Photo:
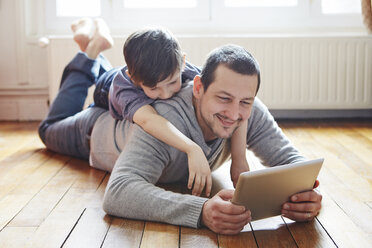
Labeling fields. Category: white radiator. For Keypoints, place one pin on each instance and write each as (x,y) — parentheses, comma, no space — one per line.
(296,72)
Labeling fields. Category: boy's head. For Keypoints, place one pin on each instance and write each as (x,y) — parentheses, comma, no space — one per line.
(154,59)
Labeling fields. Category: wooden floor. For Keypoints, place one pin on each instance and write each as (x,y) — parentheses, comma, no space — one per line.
(50,200)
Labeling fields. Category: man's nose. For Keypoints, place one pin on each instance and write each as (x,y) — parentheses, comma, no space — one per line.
(233,111)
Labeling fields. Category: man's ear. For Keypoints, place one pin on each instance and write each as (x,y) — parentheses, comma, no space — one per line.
(198,88)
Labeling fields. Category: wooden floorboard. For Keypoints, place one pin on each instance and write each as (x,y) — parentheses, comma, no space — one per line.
(51,200)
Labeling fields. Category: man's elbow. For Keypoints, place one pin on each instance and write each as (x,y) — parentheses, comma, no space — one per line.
(107,203)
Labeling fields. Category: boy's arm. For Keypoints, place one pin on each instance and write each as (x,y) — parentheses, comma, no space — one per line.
(159,127)
(239,162)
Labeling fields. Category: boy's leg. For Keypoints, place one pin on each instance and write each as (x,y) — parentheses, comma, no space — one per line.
(65,127)
(78,76)
(66,130)
(101,39)
(101,92)
(83,30)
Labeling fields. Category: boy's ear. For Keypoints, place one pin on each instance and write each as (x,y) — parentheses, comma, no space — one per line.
(198,88)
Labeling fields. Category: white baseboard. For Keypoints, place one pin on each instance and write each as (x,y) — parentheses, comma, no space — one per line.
(23,108)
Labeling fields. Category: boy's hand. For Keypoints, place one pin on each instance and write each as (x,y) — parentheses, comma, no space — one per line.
(199,172)
(237,167)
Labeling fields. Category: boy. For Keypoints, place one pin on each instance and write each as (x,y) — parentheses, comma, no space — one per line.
(155,69)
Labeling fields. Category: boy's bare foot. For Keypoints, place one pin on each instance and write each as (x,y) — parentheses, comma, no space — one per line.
(83,30)
(101,39)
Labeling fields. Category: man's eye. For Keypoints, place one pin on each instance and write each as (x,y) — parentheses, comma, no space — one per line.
(224,99)
(246,103)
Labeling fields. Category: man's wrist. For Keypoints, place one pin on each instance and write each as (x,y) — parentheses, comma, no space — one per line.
(200,221)
(239,158)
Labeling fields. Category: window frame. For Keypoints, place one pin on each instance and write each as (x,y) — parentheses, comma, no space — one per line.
(163,16)
(212,17)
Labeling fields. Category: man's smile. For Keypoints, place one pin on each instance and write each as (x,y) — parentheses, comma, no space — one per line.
(225,121)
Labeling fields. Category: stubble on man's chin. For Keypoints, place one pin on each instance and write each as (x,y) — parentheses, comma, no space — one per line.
(230,134)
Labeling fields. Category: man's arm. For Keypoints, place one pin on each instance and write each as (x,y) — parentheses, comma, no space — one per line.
(239,162)
(267,140)
(269,143)
(131,190)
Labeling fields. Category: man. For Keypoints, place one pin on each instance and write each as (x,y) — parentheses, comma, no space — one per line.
(208,113)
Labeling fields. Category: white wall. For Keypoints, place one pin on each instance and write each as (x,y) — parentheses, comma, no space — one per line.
(26,71)
(23,68)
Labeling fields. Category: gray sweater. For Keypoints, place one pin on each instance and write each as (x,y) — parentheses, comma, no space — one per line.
(138,161)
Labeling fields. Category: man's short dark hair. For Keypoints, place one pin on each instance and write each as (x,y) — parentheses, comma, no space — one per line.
(235,58)
(152,55)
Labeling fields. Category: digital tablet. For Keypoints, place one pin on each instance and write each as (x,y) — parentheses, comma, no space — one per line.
(264,191)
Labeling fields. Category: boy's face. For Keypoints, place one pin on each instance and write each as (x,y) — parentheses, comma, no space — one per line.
(164,89)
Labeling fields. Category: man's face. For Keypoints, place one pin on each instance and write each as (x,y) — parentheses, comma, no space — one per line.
(227,102)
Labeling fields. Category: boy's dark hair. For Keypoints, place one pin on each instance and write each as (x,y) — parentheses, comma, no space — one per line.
(152,55)
(235,58)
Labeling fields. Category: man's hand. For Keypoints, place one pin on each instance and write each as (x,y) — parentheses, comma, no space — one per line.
(199,172)
(303,206)
(221,216)
(237,167)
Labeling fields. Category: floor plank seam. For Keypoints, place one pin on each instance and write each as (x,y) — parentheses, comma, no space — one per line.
(72,229)
(143,232)
(21,147)
(340,207)
(107,231)
(54,207)
(179,236)
(47,182)
(21,179)
(14,154)
(103,179)
(217,239)
(320,223)
(290,233)
(254,235)
(30,198)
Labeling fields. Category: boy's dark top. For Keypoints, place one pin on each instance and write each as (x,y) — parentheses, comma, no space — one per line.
(131,97)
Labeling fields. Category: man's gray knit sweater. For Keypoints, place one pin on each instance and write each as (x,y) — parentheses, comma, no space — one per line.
(140,160)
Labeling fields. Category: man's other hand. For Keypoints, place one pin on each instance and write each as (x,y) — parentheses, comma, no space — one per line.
(303,206)
(221,216)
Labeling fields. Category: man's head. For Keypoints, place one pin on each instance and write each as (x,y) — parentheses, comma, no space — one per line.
(225,91)
(154,59)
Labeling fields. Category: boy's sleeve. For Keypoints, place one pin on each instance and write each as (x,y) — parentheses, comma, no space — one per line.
(125,98)
(189,72)
(102,89)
